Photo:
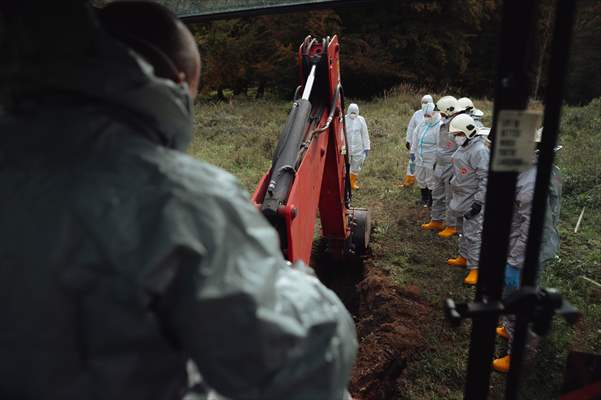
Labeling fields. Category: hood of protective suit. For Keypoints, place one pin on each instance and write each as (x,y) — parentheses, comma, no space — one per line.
(118,77)
(353,108)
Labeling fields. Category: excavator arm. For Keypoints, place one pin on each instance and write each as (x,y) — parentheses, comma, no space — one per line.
(309,171)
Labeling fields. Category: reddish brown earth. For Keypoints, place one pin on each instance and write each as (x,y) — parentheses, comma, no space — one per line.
(388,320)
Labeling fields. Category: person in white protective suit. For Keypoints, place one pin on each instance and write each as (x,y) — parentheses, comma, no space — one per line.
(423,152)
(415,120)
(357,138)
(518,237)
(442,219)
(468,192)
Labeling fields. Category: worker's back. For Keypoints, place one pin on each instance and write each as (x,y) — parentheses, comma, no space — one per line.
(81,201)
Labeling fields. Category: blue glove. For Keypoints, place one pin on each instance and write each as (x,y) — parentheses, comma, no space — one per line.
(365,152)
(513,276)
(412,157)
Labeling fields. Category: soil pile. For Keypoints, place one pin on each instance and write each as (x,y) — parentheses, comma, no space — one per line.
(388,325)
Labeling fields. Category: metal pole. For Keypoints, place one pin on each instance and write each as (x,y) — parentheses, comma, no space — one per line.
(562,36)
(511,93)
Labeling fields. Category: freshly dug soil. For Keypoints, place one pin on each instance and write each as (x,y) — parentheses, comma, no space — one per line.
(388,322)
(387,319)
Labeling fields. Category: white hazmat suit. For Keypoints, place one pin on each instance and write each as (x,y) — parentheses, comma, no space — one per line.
(415,120)
(423,148)
(357,138)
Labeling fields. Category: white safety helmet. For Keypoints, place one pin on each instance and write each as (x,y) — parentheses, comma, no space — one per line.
(353,108)
(465,104)
(447,105)
(427,99)
(465,124)
(483,132)
(476,113)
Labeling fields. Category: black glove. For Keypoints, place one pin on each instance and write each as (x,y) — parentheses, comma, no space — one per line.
(434,166)
(475,210)
(408,145)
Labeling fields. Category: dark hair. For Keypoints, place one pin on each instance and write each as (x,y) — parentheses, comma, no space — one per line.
(154,32)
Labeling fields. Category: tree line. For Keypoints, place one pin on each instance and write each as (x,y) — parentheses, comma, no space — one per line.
(437,45)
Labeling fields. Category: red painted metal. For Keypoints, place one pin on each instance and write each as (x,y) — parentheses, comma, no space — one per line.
(320,179)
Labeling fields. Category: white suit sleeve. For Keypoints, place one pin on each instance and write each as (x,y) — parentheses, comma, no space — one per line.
(414,139)
(365,135)
(410,128)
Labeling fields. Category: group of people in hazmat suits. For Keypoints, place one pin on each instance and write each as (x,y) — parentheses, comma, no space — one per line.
(123,259)
(449,156)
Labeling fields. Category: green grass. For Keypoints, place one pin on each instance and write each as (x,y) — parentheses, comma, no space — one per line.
(240,137)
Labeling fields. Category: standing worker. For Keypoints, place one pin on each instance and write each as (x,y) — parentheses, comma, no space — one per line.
(518,238)
(357,139)
(415,120)
(468,191)
(441,218)
(423,151)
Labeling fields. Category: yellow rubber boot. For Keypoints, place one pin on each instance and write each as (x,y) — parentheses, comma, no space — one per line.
(448,232)
(502,332)
(433,225)
(408,181)
(471,278)
(502,364)
(354,185)
(457,262)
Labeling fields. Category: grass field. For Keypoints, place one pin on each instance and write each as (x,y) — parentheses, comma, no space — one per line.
(240,136)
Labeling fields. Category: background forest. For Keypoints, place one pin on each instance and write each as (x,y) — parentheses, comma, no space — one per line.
(438,45)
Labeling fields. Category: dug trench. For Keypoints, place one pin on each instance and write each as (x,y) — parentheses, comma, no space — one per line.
(387,317)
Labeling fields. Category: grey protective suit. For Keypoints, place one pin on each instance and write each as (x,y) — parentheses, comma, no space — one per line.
(524,194)
(468,186)
(122,258)
(443,172)
(521,217)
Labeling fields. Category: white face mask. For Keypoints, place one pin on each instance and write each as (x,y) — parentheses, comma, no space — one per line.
(460,140)
(353,115)
(424,107)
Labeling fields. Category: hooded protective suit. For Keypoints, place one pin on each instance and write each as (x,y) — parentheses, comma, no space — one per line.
(443,172)
(468,187)
(415,120)
(521,217)
(424,142)
(357,137)
(122,258)
(518,236)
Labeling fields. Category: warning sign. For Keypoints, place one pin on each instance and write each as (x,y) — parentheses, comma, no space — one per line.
(514,140)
